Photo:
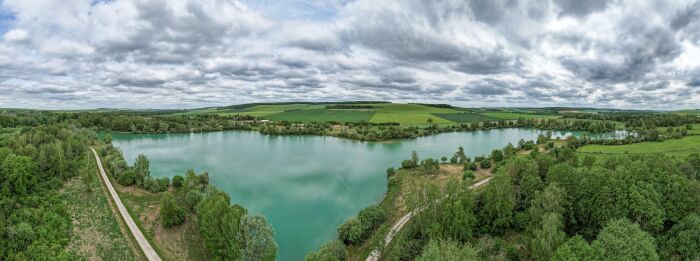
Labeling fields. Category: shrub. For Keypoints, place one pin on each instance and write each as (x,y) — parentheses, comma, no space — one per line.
(170,213)
(178,181)
(356,230)
(408,164)
(485,163)
(390,172)
(193,198)
(333,250)
(468,175)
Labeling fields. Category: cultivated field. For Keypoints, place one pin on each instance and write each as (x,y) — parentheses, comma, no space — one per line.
(405,114)
(682,146)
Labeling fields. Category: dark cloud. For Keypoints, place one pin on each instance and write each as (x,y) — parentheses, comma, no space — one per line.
(474,52)
(489,87)
(581,8)
(637,50)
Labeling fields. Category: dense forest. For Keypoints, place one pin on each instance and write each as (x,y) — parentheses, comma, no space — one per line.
(550,205)
(35,162)
(34,223)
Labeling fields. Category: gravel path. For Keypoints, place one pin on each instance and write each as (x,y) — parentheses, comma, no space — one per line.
(374,256)
(148,250)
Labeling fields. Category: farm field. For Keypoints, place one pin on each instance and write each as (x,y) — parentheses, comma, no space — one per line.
(515,116)
(465,117)
(402,113)
(408,118)
(322,115)
(682,146)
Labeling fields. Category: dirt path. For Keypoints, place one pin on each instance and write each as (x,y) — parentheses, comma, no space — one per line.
(146,247)
(374,256)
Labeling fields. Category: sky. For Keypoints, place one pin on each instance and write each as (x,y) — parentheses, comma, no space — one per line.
(72,54)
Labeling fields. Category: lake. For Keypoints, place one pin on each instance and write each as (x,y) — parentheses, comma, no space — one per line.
(304,185)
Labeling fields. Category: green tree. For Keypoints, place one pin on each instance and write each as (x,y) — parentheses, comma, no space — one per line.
(575,249)
(220,224)
(333,250)
(683,240)
(551,200)
(19,172)
(178,181)
(623,240)
(141,169)
(259,239)
(52,161)
(193,198)
(548,237)
(497,155)
(447,251)
(170,213)
(498,203)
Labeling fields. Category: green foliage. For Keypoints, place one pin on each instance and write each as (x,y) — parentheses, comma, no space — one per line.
(485,163)
(333,250)
(259,239)
(170,213)
(497,155)
(19,174)
(390,172)
(178,181)
(193,198)
(683,240)
(623,240)
(546,239)
(141,170)
(356,230)
(220,224)
(576,248)
(447,251)
(496,213)
(468,175)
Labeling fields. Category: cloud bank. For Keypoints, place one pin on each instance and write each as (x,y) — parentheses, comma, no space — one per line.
(194,53)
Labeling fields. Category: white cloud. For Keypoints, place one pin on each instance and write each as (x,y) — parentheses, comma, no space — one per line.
(16,35)
(471,53)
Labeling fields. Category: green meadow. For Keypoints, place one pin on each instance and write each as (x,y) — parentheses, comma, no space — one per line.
(402,113)
(684,145)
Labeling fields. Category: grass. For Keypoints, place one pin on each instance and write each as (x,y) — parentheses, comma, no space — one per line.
(96,233)
(681,146)
(407,118)
(409,108)
(465,117)
(182,242)
(395,201)
(322,115)
(515,116)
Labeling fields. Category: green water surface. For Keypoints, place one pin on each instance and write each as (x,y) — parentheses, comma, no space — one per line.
(304,185)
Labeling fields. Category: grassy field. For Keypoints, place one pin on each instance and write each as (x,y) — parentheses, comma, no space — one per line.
(98,233)
(515,116)
(408,118)
(322,115)
(465,117)
(402,113)
(409,108)
(182,242)
(682,146)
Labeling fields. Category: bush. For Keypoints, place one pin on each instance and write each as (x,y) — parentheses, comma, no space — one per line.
(468,175)
(390,172)
(408,164)
(485,163)
(193,198)
(333,250)
(356,230)
(170,213)
(470,166)
(178,181)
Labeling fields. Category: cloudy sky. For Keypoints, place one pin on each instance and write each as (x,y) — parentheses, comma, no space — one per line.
(194,53)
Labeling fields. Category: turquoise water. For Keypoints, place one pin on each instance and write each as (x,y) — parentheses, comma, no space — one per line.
(304,185)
